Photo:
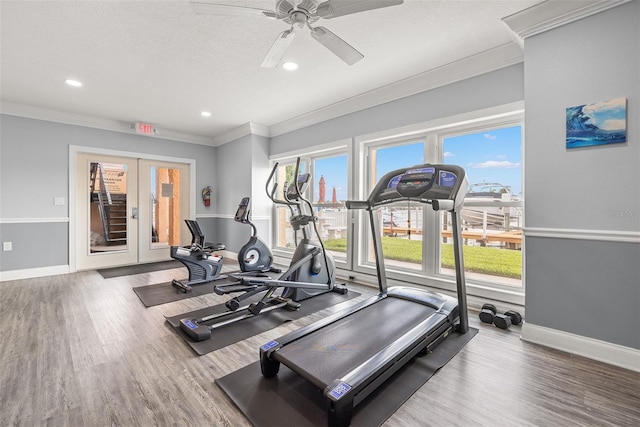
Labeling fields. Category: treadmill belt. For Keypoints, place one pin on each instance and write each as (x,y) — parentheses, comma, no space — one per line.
(338,348)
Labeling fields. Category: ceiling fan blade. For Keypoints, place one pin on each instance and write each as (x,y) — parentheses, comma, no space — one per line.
(226,9)
(277,49)
(335,8)
(335,44)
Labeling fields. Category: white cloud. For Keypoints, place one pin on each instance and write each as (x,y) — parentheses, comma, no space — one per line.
(448,154)
(495,164)
(613,124)
(489,136)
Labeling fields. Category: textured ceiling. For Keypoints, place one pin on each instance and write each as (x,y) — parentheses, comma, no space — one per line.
(159,62)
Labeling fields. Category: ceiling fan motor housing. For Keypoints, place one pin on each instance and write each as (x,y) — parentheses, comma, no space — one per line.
(297,15)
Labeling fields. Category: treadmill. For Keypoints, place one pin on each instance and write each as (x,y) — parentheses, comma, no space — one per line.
(351,353)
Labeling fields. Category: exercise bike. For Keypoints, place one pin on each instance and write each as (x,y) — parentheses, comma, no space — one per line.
(204,265)
(200,259)
(311,272)
(255,255)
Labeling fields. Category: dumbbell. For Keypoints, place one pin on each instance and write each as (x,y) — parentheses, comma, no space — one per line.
(487,313)
(503,321)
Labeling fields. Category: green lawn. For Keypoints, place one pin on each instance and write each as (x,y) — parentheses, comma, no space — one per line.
(477,259)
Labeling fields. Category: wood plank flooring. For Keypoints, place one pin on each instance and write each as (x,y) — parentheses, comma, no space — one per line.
(80,350)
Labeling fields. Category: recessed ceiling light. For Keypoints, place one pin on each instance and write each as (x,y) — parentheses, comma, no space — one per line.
(73,83)
(290,66)
(205,114)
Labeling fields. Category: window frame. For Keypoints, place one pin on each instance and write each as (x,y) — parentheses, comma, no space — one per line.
(433,134)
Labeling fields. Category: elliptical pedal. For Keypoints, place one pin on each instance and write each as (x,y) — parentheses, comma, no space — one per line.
(181,286)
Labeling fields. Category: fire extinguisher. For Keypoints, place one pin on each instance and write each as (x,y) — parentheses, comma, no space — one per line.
(206,196)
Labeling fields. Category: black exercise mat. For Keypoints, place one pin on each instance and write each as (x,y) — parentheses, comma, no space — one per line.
(162,293)
(243,329)
(290,399)
(129,270)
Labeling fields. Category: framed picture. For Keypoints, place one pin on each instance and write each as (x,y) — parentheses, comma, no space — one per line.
(600,123)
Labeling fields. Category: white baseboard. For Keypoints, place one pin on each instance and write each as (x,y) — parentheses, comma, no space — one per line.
(613,354)
(30,273)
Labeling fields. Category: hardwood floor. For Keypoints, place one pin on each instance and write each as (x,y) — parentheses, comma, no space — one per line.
(80,350)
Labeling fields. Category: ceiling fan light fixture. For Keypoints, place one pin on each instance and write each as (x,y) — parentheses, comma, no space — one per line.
(290,66)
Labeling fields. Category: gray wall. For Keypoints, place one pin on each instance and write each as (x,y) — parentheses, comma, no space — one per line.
(583,286)
(34,168)
(242,167)
(499,87)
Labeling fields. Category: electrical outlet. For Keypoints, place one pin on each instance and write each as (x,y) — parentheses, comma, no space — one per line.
(7,246)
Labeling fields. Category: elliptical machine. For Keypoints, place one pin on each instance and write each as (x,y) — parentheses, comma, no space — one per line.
(320,268)
(311,272)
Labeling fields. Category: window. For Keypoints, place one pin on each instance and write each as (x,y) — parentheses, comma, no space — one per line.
(285,234)
(330,178)
(402,224)
(416,241)
(327,192)
(492,212)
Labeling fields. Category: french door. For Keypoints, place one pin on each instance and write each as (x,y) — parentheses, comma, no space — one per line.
(129,210)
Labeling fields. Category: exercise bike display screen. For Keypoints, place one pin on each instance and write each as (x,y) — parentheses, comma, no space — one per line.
(241,213)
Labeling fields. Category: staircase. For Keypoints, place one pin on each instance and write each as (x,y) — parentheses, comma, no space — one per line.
(112,208)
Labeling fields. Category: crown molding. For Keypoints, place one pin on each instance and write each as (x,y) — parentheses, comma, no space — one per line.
(41,113)
(548,15)
(481,63)
(242,131)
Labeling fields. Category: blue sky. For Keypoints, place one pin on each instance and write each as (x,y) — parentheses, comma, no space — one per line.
(491,156)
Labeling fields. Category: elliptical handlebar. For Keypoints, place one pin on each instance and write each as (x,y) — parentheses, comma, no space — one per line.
(271,193)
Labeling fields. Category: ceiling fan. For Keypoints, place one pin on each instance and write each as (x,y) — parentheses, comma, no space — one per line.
(298,14)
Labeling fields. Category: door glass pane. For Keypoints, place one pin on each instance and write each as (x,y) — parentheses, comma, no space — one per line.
(401,223)
(492,212)
(108,207)
(165,207)
(330,192)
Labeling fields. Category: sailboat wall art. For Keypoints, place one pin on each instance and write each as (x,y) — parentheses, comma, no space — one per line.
(601,123)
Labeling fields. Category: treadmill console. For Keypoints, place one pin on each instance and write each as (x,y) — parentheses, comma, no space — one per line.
(422,183)
(303,184)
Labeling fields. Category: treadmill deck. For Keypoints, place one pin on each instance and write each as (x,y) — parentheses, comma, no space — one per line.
(332,352)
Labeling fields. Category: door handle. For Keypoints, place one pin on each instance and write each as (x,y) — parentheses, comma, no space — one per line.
(134,213)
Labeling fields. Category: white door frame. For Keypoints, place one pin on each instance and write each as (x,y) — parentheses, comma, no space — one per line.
(73,166)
